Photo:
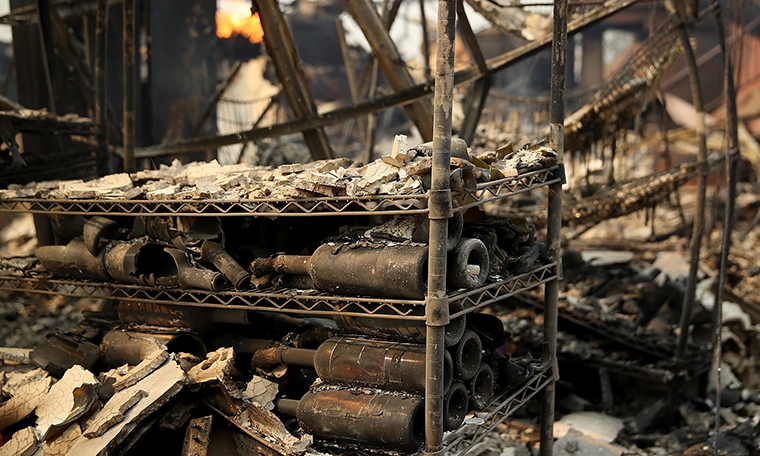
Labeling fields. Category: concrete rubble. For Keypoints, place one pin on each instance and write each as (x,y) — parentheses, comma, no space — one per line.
(398,173)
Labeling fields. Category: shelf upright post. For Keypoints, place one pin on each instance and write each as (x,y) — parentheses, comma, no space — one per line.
(440,210)
(101,97)
(553,238)
(129,89)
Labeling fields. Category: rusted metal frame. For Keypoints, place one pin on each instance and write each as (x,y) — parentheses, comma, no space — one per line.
(76,61)
(698,223)
(503,407)
(476,99)
(86,40)
(400,97)
(352,85)
(732,155)
(440,210)
(366,16)
(218,95)
(256,124)
(101,96)
(287,64)
(129,88)
(425,43)
(469,38)
(48,52)
(198,434)
(554,222)
(389,17)
(369,143)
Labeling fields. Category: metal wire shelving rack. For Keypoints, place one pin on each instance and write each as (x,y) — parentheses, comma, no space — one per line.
(305,302)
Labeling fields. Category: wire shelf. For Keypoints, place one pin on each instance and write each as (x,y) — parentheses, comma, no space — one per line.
(323,206)
(462,440)
(304,302)
(468,434)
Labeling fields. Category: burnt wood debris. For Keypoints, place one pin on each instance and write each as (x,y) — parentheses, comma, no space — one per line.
(434,227)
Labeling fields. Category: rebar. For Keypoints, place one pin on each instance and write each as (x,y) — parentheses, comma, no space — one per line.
(732,143)
(129,89)
(554,224)
(101,97)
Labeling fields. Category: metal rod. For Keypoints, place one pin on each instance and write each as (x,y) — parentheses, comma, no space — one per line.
(425,43)
(554,223)
(45,28)
(129,88)
(101,97)
(219,92)
(387,55)
(732,142)
(470,39)
(698,224)
(437,303)
(350,74)
(281,49)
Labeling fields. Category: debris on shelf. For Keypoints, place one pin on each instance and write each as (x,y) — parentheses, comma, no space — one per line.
(399,173)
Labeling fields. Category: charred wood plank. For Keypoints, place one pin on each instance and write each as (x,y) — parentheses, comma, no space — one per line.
(366,16)
(287,64)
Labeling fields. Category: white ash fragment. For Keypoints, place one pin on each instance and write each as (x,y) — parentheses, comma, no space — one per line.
(113,412)
(153,186)
(14,355)
(398,156)
(62,399)
(399,228)
(266,423)
(262,391)
(374,175)
(164,193)
(26,397)
(214,369)
(290,168)
(332,165)
(133,194)
(233,180)
(23,443)
(208,190)
(95,188)
(160,386)
(60,445)
(137,373)
(15,380)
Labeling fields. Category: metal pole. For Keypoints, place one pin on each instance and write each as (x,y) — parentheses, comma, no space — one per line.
(554,223)
(732,142)
(101,98)
(439,204)
(129,76)
(699,216)
(45,28)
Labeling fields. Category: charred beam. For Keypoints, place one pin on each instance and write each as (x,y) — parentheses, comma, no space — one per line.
(366,16)
(287,64)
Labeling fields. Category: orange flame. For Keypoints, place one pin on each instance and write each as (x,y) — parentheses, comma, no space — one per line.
(229,23)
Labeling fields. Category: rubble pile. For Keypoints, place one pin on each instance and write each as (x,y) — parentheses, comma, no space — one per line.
(308,385)
(618,326)
(405,171)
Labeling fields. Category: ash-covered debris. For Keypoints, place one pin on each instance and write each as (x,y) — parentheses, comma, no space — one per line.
(616,350)
(310,386)
(405,171)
